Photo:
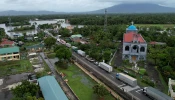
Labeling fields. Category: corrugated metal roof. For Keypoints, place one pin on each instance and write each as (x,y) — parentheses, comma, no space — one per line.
(51,89)
(77,35)
(35,46)
(9,50)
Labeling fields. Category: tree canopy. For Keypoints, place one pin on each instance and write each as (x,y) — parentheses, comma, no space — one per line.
(100,90)
(26,91)
(49,42)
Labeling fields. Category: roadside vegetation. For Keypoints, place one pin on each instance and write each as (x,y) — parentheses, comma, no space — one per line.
(81,84)
(15,67)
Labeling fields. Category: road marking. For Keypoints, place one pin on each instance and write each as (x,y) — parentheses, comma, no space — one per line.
(138,91)
(112,76)
(121,85)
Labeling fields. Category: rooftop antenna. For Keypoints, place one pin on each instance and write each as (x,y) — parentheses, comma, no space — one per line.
(105,21)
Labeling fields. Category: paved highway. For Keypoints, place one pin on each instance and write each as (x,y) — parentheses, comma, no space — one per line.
(135,92)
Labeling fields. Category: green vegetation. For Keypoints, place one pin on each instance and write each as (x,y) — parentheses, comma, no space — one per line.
(49,42)
(64,55)
(30,43)
(81,84)
(2,33)
(173,87)
(142,71)
(156,25)
(15,67)
(51,55)
(100,90)
(26,91)
(165,84)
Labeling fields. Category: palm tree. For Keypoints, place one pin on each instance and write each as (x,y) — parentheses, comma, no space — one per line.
(100,90)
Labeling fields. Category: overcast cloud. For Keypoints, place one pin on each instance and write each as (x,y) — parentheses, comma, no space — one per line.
(70,5)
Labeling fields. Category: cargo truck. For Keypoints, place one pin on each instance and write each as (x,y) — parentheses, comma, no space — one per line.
(68,45)
(82,53)
(74,48)
(127,79)
(105,66)
(155,94)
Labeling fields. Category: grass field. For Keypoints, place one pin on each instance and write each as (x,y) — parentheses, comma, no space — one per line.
(15,67)
(159,25)
(81,84)
(51,55)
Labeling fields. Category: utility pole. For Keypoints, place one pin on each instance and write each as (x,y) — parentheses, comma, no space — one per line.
(10,25)
(105,21)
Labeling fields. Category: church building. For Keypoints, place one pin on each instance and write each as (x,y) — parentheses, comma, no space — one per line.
(134,45)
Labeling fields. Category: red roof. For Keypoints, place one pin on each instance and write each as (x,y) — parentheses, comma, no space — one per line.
(6,42)
(129,37)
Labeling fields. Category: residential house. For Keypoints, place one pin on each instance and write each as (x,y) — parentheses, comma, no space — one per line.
(35,48)
(10,53)
(6,43)
(76,38)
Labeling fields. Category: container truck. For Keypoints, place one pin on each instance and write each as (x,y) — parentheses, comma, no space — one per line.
(74,48)
(127,79)
(68,45)
(105,66)
(62,41)
(155,94)
(82,53)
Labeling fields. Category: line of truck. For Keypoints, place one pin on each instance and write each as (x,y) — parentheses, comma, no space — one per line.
(149,91)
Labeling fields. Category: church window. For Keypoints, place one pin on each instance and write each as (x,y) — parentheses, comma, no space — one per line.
(127,48)
(142,49)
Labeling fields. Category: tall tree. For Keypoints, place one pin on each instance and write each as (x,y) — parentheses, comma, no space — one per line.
(100,90)
(26,88)
(49,42)
(2,33)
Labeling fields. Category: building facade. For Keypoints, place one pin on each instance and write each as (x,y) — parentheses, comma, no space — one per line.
(134,45)
(11,53)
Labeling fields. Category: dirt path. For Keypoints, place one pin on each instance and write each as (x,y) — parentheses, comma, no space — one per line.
(118,57)
(154,76)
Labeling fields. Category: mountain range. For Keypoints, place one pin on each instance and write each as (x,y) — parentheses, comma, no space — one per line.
(137,8)
(121,8)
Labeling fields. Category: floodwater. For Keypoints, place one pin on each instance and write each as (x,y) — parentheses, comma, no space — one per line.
(40,22)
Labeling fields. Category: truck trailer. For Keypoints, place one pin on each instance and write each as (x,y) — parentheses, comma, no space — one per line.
(155,94)
(82,53)
(74,48)
(105,66)
(68,45)
(127,79)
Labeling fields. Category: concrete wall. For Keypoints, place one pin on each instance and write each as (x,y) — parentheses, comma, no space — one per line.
(12,57)
(134,52)
(171,92)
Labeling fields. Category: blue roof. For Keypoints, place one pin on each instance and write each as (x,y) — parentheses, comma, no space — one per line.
(132,27)
(51,89)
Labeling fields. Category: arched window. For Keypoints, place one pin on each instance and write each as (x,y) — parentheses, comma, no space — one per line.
(142,49)
(135,48)
(127,48)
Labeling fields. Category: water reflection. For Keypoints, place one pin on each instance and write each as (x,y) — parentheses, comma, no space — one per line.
(28,32)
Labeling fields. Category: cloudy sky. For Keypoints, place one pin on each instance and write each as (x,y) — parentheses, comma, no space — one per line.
(70,5)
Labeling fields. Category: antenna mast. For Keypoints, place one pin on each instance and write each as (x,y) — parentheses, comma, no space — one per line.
(105,21)
(10,25)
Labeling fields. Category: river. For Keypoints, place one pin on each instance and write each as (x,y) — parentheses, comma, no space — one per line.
(40,22)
